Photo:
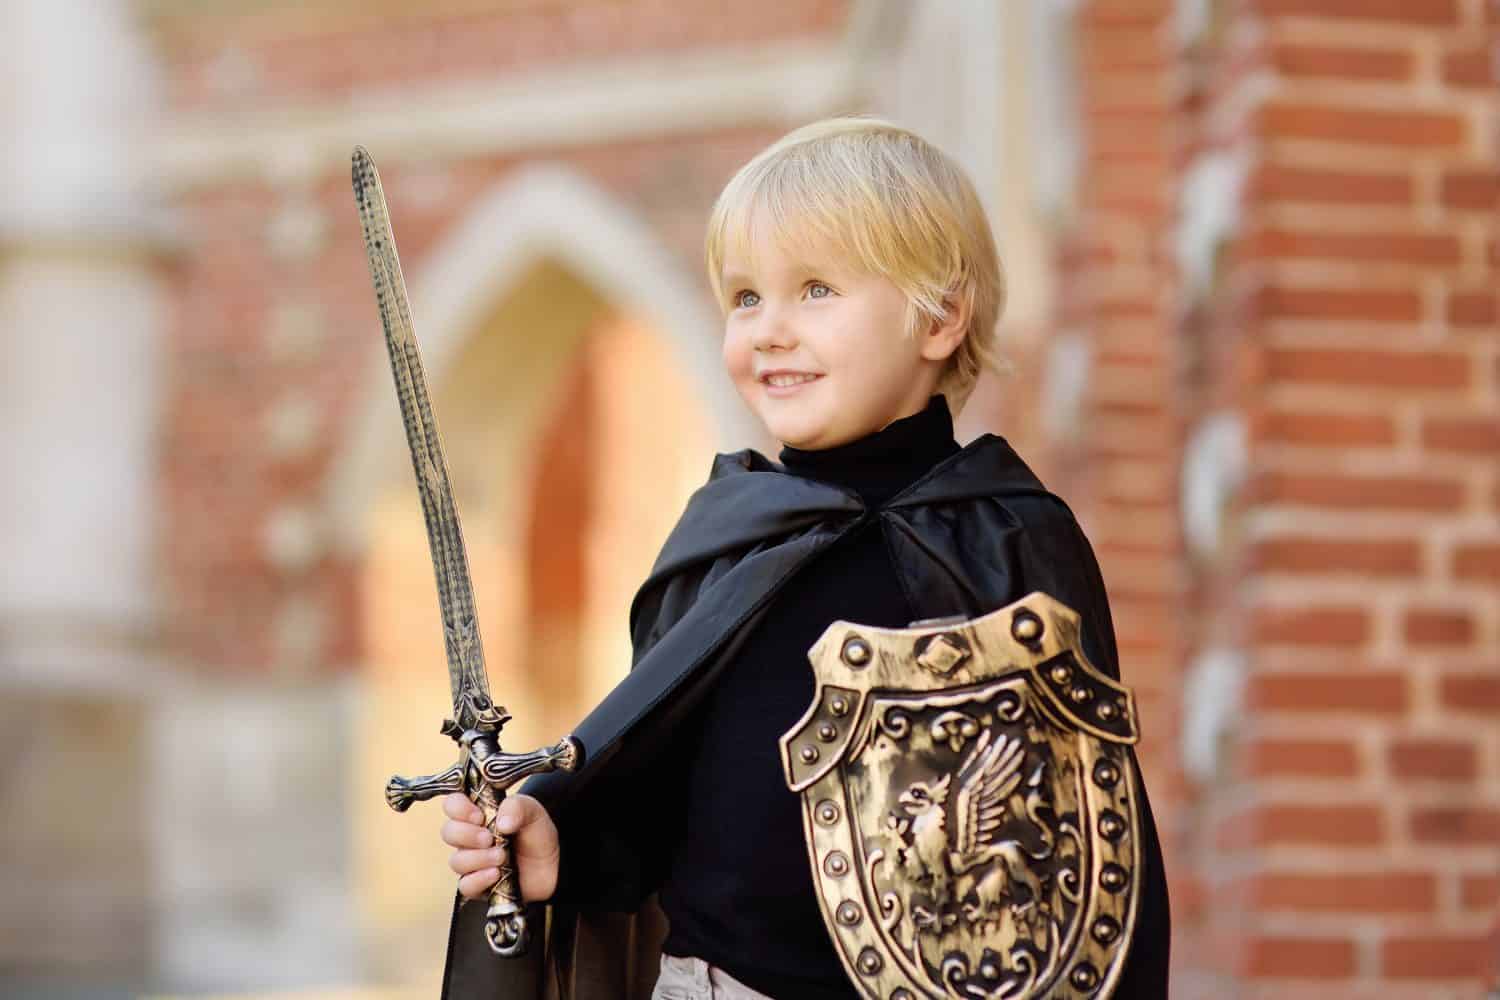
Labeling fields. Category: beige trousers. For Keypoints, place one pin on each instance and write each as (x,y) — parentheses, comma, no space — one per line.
(695,979)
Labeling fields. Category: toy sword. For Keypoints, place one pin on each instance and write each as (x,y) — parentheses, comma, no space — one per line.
(483,772)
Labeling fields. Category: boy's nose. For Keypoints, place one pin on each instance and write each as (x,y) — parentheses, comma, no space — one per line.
(774,332)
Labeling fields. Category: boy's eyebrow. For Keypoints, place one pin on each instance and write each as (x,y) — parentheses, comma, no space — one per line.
(800,268)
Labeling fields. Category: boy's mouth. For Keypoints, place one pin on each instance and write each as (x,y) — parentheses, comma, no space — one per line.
(786,379)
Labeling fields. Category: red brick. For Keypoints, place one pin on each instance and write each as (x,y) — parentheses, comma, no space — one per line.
(1152,548)
(1345,892)
(1147,112)
(1301,957)
(1471,66)
(1128,308)
(1148,361)
(1317,693)
(1432,759)
(1314,626)
(1415,248)
(1103,17)
(1433,956)
(1459,825)
(1344,62)
(1437,627)
(1477,562)
(1472,308)
(1156,408)
(1140,193)
(1393,369)
(1366,305)
(1354,825)
(1334,429)
(1428,13)
(1270,758)
(1415,493)
(1124,142)
(1480,892)
(1272,182)
(1472,189)
(1122,56)
(1363,126)
(1472,692)
(1476,435)
(1370,556)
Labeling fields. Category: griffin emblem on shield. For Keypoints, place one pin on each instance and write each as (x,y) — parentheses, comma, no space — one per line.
(970,807)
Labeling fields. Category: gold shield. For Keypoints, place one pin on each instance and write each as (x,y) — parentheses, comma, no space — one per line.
(969,806)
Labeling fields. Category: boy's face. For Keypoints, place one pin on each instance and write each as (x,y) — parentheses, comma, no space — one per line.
(817,348)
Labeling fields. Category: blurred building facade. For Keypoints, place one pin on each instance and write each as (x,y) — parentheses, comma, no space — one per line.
(1253,250)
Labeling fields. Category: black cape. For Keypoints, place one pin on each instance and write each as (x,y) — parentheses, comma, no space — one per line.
(975,533)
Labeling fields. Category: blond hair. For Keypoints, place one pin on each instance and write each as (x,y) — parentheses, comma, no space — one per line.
(891,203)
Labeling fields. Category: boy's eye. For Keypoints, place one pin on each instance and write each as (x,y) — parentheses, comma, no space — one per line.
(812,290)
(741,296)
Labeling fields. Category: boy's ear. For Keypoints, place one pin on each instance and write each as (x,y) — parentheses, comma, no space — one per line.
(943,336)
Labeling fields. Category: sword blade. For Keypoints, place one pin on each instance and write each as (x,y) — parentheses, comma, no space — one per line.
(450,563)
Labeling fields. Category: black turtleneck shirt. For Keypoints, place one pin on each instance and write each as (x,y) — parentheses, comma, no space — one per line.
(739,892)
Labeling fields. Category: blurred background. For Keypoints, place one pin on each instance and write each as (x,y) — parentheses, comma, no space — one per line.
(1253,249)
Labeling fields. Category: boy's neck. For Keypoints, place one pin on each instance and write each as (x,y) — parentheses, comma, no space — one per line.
(880,465)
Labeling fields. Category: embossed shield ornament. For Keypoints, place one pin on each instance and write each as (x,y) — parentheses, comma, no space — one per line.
(970,812)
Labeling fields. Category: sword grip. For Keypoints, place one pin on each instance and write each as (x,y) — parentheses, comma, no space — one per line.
(505,921)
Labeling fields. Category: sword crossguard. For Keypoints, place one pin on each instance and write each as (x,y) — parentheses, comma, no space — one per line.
(484,773)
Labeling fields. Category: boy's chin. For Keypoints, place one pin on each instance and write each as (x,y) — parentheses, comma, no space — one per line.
(809,437)
(810,424)
(794,435)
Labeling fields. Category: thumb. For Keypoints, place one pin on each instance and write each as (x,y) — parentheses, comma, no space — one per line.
(516,813)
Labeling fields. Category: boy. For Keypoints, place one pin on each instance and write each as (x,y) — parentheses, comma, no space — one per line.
(861,288)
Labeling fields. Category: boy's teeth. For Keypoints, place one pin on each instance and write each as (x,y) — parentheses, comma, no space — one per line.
(785,380)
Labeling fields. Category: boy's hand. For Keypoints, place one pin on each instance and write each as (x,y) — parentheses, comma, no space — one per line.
(476,859)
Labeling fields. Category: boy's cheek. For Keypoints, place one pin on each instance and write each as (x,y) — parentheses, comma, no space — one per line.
(736,354)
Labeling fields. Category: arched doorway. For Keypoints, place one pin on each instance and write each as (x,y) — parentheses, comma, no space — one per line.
(574,436)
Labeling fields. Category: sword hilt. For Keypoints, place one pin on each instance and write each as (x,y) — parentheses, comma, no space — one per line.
(505,926)
(484,773)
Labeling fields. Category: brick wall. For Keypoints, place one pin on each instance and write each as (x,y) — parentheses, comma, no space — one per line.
(280,54)
(1347,845)
(1119,285)
(1369,238)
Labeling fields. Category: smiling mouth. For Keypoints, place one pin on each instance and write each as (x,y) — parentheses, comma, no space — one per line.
(782,380)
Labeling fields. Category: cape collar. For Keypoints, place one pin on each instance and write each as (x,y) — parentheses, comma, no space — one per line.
(880,465)
(986,466)
(749,499)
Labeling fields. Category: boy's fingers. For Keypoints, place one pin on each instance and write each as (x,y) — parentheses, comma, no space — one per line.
(456,805)
(457,833)
(476,885)
(469,862)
